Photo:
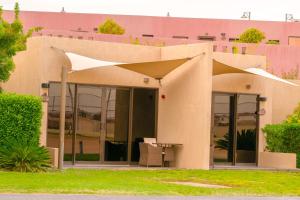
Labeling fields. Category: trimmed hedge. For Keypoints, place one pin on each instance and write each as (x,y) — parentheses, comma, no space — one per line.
(284,138)
(20,118)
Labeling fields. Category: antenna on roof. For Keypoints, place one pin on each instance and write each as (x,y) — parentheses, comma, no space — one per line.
(168,14)
(63,10)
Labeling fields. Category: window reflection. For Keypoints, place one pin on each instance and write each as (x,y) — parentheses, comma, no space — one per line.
(223,128)
(54,115)
(246,128)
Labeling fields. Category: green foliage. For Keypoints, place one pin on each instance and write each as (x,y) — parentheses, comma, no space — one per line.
(23,156)
(252,35)
(246,140)
(295,116)
(235,50)
(284,138)
(135,41)
(12,40)
(20,118)
(111,27)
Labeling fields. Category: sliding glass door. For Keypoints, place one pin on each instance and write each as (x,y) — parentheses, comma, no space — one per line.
(246,127)
(234,127)
(223,130)
(87,130)
(103,124)
(117,125)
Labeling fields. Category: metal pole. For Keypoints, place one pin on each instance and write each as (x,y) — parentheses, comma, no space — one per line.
(62,116)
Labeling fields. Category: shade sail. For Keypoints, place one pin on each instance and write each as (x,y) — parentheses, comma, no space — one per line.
(265,74)
(221,68)
(79,62)
(159,69)
(155,69)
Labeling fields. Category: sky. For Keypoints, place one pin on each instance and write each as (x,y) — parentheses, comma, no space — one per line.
(272,10)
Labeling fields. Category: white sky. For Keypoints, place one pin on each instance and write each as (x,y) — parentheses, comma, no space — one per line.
(226,9)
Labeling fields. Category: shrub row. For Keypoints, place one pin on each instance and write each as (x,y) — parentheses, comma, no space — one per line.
(20,118)
(284,138)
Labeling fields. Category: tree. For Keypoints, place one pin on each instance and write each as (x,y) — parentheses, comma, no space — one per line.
(12,40)
(252,35)
(111,27)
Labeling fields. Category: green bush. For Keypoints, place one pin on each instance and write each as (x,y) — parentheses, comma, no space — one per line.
(20,118)
(24,156)
(284,138)
(111,27)
(252,35)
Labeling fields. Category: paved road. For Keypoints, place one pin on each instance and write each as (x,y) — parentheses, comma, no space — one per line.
(93,197)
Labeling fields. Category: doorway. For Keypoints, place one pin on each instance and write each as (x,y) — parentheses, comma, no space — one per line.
(234,129)
(103,124)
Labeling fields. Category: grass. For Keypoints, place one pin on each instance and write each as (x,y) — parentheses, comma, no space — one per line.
(152,182)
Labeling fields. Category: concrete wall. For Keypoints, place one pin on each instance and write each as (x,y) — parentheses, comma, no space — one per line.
(285,99)
(277,160)
(184,115)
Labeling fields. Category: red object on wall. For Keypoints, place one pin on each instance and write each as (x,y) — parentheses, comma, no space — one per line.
(163,96)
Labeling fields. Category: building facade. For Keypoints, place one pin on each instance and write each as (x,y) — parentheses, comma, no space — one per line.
(197,104)
(204,104)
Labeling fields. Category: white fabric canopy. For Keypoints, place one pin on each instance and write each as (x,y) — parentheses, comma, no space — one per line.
(79,62)
(222,68)
(154,69)
(159,69)
(261,72)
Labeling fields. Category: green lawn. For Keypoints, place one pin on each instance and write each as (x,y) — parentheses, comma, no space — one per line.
(152,182)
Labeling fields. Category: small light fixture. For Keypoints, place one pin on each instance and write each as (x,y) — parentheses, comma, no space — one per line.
(289,17)
(246,15)
(45,85)
(146,80)
(248,86)
(262,99)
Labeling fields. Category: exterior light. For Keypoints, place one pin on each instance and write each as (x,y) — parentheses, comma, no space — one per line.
(263,99)
(246,15)
(45,85)
(146,80)
(289,17)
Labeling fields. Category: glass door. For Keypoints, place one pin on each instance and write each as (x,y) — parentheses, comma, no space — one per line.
(223,129)
(143,118)
(103,124)
(54,115)
(87,145)
(246,128)
(117,125)
(234,129)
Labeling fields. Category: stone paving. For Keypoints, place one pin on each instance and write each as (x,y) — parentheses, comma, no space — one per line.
(95,197)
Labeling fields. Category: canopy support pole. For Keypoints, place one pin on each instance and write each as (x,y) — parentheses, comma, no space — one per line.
(64,74)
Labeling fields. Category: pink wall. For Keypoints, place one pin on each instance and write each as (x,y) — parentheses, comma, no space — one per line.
(281,57)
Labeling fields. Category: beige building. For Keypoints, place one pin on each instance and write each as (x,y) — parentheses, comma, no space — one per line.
(209,103)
